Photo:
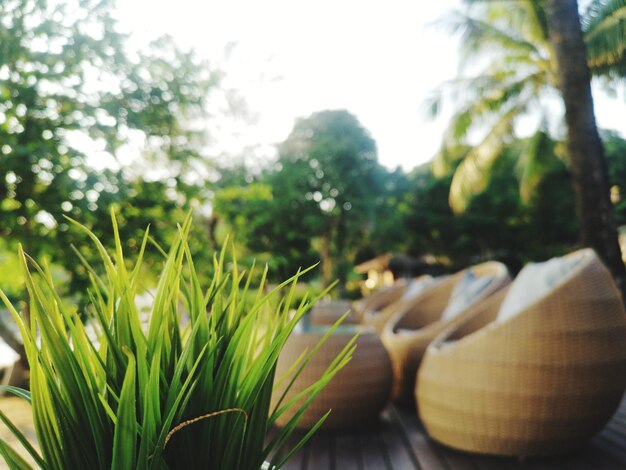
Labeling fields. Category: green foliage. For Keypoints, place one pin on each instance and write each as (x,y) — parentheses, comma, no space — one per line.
(537,159)
(327,176)
(551,222)
(387,231)
(605,30)
(497,223)
(516,78)
(325,198)
(189,389)
(266,227)
(432,225)
(615,153)
(11,284)
(71,87)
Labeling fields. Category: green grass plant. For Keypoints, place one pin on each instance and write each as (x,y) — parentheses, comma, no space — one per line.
(191,389)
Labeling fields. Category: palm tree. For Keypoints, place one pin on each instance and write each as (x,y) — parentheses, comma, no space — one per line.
(604,24)
(513,78)
(536,50)
(586,154)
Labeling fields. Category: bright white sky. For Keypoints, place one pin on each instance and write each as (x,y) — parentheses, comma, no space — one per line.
(379,59)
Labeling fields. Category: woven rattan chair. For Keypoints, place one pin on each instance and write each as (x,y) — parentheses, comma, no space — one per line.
(359,391)
(327,312)
(541,382)
(379,316)
(410,330)
(373,303)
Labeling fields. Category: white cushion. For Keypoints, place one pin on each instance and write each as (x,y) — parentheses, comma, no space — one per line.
(466,292)
(535,281)
(416,287)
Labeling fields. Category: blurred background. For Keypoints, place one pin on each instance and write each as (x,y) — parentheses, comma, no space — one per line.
(355,134)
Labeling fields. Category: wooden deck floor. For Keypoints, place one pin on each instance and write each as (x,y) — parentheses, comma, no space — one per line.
(400,442)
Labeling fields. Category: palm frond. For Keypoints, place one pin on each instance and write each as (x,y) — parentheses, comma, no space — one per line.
(539,20)
(604,24)
(447,159)
(525,17)
(536,160)
(472,175)
(478,35)
(491,97)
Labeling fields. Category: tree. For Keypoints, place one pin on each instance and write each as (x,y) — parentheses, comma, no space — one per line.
(517,79)
(586,154)
(391,207)
(605,30)
(70,88)
(273,220)
(326,181)
(615,153)
(263,223)
(72,93)
(519,76)
(497,223)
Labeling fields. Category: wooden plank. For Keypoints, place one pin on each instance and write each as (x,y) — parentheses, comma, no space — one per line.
(399,454)
(400,442)
(458,461)
(620,415)
(590,457)
(431,455)
(554,463)
(593,456)
(495,463)
(428,458)
(371,449)
(608,444)
(319,455)
(607,450)
(616,429)
(296,461)
(616,438)
(347,454)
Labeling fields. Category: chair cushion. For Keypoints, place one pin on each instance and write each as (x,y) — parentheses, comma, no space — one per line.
(534,281)
(466,292)
(416,287)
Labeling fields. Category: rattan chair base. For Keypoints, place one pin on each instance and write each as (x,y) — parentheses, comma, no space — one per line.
(540,383)
(410,330)
(356,395)
(327,312)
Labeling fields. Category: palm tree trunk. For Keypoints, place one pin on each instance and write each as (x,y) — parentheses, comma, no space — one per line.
(586,153)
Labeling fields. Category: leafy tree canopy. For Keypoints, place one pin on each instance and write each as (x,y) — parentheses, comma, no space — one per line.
(327,170)
(74,95)
(510,75)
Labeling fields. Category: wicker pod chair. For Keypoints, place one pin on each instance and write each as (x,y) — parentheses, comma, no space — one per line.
(327,312)
(378,318)
(542,382)
(373,303)
(410,330)
(356,395)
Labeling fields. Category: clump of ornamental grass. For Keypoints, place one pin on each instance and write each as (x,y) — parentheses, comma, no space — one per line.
(191,389)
